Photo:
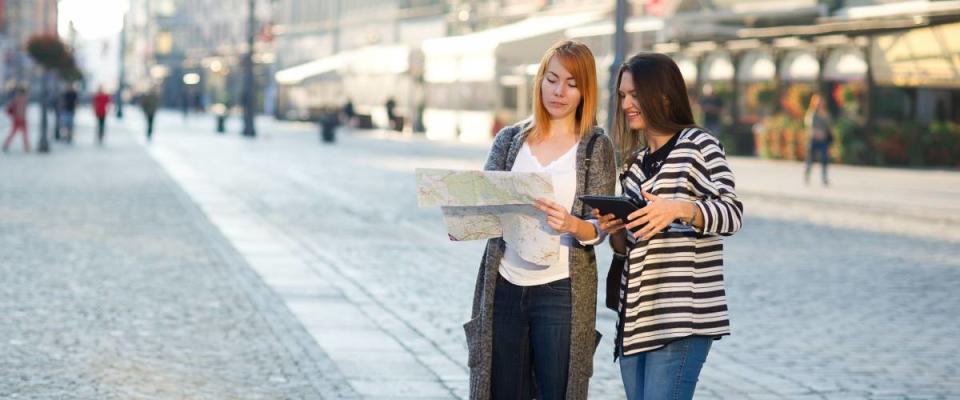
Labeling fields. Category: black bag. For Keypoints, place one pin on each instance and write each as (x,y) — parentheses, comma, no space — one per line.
(586,182)
(614,274)
(616,265)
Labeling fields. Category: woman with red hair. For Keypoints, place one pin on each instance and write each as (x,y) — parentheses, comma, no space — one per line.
(529,317)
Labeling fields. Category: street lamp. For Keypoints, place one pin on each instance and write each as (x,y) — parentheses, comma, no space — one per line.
(123,68)
(249,100)
(191,78)
(619,48)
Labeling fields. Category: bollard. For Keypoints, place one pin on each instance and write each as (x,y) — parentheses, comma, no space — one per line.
(219,111)
(328,128)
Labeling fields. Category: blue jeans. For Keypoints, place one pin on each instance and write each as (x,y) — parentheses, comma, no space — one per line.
(821,151)
(667,373)
(531,331)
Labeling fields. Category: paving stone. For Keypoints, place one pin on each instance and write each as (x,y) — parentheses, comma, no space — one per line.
(116,287)
(828,298)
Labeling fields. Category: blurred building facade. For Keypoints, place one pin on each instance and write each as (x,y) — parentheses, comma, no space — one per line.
(380,50)
(479,78)
(193,49)
(19,19)
(890,72)
(366,52)
(463,68)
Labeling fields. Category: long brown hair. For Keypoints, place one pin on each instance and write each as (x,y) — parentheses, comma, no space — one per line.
(576,58)
(661,98)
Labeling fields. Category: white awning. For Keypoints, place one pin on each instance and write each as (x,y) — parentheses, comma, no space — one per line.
(895,9)
(379,60)
(845,64)
(474,57)
(717,67)
(688,68)
(927,56)
(756,66)
(370,60)
(312,69)
(607,28)
(799,65)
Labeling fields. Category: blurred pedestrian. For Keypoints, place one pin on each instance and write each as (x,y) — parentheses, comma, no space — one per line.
(712,107)
(348,113)
(391,107)
(199,102)
(17,111)
(418,124)
(148,102)
(185,104)
(101,101)
(68,108)
(820,136)
(671,300)
(532,331)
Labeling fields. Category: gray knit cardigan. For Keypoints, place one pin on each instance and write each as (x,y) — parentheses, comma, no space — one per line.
(583,268)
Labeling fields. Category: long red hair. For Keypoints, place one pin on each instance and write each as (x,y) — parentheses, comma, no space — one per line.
(577,59)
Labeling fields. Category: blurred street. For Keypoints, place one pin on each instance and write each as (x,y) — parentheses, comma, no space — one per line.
(215,266)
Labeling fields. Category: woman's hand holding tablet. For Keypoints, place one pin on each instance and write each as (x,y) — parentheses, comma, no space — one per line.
(619,206)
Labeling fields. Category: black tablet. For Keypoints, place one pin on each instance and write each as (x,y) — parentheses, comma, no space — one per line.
(616,205)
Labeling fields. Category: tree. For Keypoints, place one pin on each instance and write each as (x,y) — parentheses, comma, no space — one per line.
(52,55)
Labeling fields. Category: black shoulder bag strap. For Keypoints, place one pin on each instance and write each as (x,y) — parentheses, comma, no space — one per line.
(586,183)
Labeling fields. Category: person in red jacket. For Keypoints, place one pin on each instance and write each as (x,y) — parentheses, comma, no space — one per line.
(101,100)
(17,110)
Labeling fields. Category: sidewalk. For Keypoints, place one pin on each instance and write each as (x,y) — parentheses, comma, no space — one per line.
(377,354)
(914,202)
(377,294)
(117,286)
(802,296)
(918,203)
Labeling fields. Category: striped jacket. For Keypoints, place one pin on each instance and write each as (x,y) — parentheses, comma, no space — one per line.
(672,285)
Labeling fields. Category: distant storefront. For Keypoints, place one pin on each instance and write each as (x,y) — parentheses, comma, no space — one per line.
(368,77)
(478,82)
(891,77)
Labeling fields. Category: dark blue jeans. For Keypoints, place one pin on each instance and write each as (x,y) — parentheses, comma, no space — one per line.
(531,332)
(668,373)
(821,151)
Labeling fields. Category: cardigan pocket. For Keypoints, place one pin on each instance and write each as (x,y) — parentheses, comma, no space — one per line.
(472,331)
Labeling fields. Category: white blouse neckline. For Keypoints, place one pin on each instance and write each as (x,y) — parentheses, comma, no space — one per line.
(556,160)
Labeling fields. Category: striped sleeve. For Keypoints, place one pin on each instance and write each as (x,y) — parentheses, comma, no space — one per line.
(722,211)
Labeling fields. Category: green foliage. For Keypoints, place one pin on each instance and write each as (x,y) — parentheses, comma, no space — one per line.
(781,136)
(737,140)
(851,143)
(940,145)
(51,53)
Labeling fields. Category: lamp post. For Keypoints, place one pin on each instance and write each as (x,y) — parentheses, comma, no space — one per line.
(619,48)
(43,146)
(123,69)
(249,98)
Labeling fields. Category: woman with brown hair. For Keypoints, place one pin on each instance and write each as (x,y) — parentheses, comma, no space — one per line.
(528,317)
(672,304)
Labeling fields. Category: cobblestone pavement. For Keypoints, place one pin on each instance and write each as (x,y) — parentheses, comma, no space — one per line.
(323,280)
(115,286)
(818,311)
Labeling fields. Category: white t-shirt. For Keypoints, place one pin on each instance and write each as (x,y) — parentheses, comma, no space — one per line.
(521,272)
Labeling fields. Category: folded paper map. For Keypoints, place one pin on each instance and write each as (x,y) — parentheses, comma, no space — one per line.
(487,204)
